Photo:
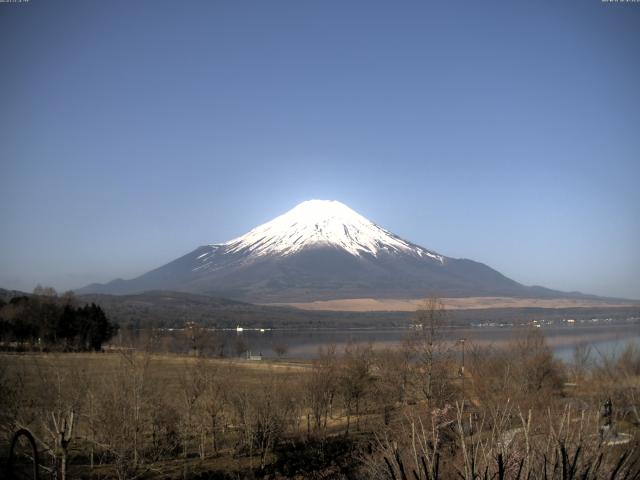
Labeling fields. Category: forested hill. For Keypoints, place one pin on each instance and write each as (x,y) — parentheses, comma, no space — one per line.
(174,309)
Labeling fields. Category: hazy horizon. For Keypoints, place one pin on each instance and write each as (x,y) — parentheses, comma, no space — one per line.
(131,133)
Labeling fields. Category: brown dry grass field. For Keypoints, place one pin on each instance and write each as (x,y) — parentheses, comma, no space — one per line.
(339,416)
(167,373)
(166,369)
(469,303)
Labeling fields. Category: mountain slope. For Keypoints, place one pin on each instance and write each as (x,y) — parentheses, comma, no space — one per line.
(322,250)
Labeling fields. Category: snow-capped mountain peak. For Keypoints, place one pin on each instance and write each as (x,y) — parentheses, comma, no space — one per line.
(281,261)
(322,250)
(322,223)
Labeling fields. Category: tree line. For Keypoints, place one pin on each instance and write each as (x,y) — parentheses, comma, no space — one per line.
(46,320)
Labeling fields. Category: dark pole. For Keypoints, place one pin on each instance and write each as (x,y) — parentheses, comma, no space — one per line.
(462,369)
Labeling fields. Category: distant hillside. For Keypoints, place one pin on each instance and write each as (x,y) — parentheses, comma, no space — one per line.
(6,295)
(173,309)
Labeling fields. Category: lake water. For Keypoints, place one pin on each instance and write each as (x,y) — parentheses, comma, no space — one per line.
(604,338)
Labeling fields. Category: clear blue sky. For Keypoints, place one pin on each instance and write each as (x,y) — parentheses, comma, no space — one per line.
(507,132)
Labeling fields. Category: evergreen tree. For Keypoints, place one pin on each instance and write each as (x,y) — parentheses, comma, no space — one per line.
(55,322)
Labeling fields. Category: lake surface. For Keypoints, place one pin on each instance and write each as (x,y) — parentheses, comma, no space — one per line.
(604,338)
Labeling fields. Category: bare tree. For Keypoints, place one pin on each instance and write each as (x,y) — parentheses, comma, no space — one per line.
(429,347)
(11,400)
(59,403)
(582,359)
(204,395)
(214,401)
(263,415)
(240,346)
(193,385)
(202,341)
(41,291)
(281,349)
(355,380)
(392,371)
(536,371)
(122,409)
(321,387)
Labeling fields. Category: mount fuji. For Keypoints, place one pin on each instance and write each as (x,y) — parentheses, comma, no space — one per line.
(322,250)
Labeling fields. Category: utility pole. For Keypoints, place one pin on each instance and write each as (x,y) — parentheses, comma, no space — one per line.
(461,372)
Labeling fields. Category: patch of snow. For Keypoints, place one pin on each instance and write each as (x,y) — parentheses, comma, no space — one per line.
(322,222)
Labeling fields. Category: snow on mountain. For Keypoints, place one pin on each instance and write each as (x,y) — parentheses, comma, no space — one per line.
(322,250)
(322,223)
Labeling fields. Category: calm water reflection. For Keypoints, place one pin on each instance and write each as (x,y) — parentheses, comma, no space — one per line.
(303,344)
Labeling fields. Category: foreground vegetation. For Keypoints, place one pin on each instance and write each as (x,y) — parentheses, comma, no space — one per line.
(420,411)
